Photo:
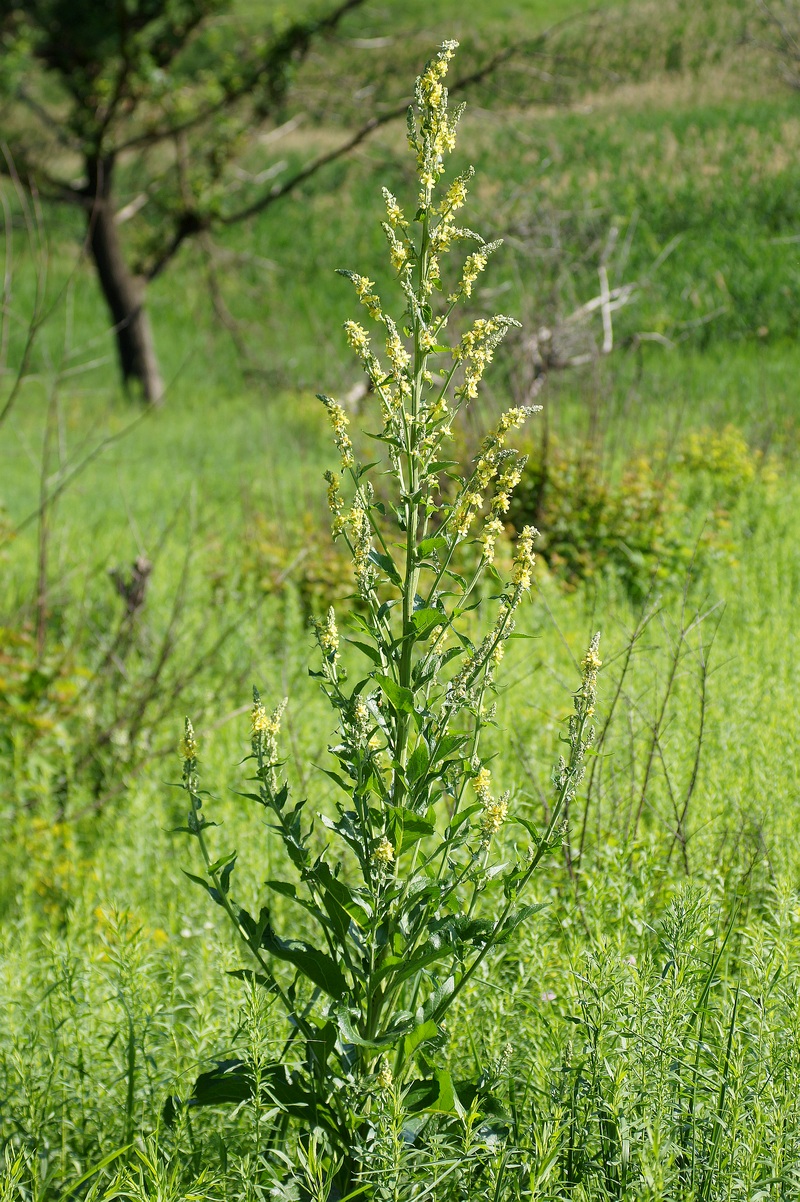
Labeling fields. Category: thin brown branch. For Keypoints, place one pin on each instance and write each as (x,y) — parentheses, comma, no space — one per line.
(278,191)
(298,38)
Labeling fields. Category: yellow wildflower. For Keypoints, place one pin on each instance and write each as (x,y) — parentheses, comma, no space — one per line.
(383,855)
(524,558)
(339,423)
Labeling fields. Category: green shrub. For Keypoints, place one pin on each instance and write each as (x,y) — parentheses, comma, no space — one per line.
(640,525)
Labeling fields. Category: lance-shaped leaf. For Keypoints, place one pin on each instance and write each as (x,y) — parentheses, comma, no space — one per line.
(401,698)
(313,963)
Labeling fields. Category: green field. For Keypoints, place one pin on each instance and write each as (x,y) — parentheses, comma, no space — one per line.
(640,1034)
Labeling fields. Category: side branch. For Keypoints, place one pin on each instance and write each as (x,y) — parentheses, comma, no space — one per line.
(295,44)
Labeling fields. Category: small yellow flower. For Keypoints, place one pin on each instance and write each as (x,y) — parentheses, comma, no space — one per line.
(328,636)
(591,660)
(491,532)
(493,817)
(398,355)
(383,855)
(473,267)
(384,1079)
(339,423)
(357,338)
(259,718)
(455,197)
(524,558)
(393,211)
(482,784)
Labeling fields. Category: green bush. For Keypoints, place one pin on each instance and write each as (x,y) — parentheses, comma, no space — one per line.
(640,525)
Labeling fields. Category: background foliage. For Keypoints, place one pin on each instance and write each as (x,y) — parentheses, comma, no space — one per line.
(650,1017)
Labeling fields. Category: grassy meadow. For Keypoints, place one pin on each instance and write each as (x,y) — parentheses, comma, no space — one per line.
(640,1035)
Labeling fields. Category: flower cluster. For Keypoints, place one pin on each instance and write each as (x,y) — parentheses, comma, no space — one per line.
(383,854)
(264,729)
(494,814)
(524,559)
(398,355)
(188,753)
(188,747)
(507,482)
(369,299)
(394,213)
(591,663)
(328,637)
(335,504)
(357,338)
(360,720)
(339,423)
(492,530)
(567,776)
(494,810)
(361,537)
(383,1078)
(398,249)
(437,130)
(476,350)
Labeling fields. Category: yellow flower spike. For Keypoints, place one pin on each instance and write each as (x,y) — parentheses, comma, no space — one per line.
(384,1079)
(259,719)
(494,815)
(339,423)
(188,744)
(482,784)
(491,532)
(328,636)
(522,573)
(383,855)
(474,265)
(591,660)
(394,213)
(357,338)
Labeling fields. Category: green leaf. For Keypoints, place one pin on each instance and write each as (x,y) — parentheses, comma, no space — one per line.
(421,1033)
(339,899)
(212,892)
(255,978)
(418,763)
(386,564)
(425,620)
(318,966)
(344,1017)
(101,1164)
(414,829)
(401,968)
(437,1096)
(449,743)
(228,1082)
(401,698)
(438,543)
(370,652)
(343,785)
(516,919)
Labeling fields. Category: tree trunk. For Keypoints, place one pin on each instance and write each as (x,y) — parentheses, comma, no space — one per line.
(124,291)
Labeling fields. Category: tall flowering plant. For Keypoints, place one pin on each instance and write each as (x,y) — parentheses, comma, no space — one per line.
(399,895)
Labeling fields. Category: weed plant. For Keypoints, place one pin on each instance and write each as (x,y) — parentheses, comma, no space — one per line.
(408,896)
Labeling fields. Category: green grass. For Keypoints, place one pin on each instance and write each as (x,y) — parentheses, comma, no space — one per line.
(650,1009)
